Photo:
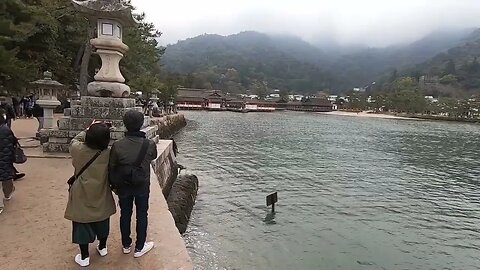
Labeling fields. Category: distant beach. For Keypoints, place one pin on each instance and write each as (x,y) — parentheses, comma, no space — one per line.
(370,115)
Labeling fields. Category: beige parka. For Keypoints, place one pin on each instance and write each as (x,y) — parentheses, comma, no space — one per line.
(90,198)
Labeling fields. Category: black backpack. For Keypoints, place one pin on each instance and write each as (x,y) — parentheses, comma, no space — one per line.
(130,175)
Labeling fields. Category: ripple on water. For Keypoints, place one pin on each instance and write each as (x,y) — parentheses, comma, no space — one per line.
(353,193)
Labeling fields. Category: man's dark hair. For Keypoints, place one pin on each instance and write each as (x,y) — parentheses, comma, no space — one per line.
(98,136)
(133,120)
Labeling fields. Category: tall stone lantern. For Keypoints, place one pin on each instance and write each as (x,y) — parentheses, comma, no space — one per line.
(46,91)
(110,16)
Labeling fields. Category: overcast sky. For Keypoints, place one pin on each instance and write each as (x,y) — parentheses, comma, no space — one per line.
(375,23)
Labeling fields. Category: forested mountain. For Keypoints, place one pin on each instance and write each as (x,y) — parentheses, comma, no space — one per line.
(290,63)
(457,68)
(253,59)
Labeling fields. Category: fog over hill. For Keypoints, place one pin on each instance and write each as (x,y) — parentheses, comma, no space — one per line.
(289,62)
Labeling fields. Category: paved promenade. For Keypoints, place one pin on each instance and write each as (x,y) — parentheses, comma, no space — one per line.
(34,234)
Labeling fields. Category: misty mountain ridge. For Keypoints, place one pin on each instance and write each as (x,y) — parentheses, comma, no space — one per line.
(286,61)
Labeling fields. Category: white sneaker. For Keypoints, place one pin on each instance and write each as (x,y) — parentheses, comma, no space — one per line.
(82,263)
(127,250)
(102,252)
(10,196)
(146,248)
(1,210)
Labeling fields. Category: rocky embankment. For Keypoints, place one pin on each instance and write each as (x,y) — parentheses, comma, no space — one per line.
(169,125)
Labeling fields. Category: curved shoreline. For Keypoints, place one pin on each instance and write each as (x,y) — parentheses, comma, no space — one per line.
(370,115)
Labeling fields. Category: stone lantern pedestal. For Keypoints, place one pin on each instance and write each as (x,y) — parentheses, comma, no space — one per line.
(46,90)
(108,95)
(110,16)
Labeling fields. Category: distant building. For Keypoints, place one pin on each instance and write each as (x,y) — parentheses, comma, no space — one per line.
(332,98)
(359,89)
(428,80)
(260,106)
(203,99)
(431,99)
(310,105)
(198,99)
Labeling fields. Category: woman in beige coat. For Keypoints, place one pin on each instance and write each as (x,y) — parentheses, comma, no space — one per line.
(90,201)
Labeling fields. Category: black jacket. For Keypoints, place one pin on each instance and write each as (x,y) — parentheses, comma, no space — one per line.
(9,111)
(125,152)
(37,111)
(7,143)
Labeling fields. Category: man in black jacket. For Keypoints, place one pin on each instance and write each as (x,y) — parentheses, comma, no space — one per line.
(124,153)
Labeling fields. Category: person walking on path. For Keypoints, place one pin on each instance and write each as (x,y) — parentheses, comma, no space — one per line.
(37,112)
(9,111)
(16,106)
(90,200)
(129,167)
(7,171)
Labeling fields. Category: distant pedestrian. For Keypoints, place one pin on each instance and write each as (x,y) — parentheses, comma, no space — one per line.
(9,111)
(30,102)
(7,171)
(90,200)
(37,112)
(16,106)
(23,106)
(129,167)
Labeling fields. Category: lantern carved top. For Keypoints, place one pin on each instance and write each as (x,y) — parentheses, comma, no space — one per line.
(47,81)
(106,9)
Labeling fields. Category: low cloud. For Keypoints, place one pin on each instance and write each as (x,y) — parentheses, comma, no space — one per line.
(375,23)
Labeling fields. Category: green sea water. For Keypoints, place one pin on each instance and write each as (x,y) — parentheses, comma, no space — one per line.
(354,193)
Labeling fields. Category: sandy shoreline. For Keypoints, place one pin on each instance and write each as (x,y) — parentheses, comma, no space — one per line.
(369,115)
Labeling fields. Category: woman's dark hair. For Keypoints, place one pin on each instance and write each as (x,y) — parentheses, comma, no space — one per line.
(98,136)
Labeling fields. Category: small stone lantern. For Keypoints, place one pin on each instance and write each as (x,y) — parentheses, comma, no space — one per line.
(46,90)
(110,17)
(154,95)
(171,105)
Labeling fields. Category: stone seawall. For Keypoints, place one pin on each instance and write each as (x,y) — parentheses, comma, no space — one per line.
(164,171)
(165,166)
(168,125)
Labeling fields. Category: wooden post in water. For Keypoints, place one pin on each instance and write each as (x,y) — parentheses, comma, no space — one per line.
(271,200)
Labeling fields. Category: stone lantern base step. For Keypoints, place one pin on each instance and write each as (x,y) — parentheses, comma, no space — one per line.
(79,116)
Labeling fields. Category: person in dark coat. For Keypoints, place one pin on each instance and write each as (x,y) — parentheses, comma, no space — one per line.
(9,111)
(16,106)
(7,171)
(37,112)
(124,153)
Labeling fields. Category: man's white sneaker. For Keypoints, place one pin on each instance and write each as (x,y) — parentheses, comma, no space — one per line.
(103,252)
(10,196)
(127,250)
(83,263)
(1,210)
(146,248)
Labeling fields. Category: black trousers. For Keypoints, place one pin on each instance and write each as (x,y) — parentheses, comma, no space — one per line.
(126,210)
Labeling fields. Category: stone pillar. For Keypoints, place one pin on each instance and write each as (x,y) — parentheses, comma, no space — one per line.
(48,108)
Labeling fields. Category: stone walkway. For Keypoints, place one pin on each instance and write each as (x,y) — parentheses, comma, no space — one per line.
(34,234)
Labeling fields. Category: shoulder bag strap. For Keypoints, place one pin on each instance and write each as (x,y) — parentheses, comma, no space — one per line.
(142,153)
(88,164)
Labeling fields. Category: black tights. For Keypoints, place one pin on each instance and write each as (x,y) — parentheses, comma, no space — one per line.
(84,248)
